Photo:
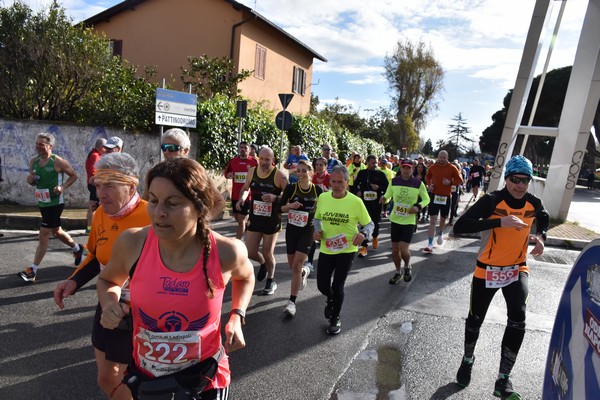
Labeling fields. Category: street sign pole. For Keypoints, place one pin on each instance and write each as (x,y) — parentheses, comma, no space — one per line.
(285,99)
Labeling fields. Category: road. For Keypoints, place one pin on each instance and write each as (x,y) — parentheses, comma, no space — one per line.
(397,342)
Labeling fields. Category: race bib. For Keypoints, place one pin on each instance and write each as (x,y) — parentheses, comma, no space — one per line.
(453,188)
(475,174)
(441,200)
(337,243)
(498,277)
(42,195)
(298,218)
(239,177)
(163,353)
(370,195)
(401,210)
(262,208)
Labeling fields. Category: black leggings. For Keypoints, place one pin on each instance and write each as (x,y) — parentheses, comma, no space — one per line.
(339,266)
(515,296)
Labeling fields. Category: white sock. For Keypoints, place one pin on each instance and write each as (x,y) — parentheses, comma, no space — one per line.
(76,248)
(34,267)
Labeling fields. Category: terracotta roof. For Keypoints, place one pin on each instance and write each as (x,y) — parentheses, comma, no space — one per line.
(130,5)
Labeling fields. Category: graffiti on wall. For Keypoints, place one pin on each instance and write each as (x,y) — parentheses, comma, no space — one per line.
(73,143)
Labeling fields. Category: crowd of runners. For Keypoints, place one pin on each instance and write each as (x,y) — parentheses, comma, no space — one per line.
(146,334)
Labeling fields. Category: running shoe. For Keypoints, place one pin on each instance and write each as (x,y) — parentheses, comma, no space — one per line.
(440,240)
(78,255)
(310,267)
(362,252)
(428,250)
(328,309)
(269,289)
(290,309)
(504,389)
(407,273)
(262,273)
(305,273)
(28,274)
(335,326)
(375,243)
(463,376)
(395,279)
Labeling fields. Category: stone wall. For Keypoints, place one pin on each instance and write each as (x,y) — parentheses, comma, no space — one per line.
(73,142)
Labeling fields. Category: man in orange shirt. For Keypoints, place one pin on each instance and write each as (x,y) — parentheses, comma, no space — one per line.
(439,179)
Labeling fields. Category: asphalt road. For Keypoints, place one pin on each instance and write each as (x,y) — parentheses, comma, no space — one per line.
(397,342)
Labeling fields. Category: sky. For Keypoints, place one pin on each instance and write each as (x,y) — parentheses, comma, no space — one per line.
(478,43)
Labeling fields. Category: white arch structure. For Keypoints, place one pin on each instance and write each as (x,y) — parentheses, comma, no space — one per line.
(581,101)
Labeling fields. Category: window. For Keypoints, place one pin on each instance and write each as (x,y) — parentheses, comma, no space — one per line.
(299,82)
(115,47)
(260,62)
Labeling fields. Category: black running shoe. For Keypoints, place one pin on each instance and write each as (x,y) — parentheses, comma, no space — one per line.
(407,273)
(262,273)
(78,255)
(269,288)
(335,326)
(395,279)
(504,389)
(463,376)
(28,275)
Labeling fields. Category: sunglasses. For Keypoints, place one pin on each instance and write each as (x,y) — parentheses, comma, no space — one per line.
(326,149)
(170,147)
(515,179)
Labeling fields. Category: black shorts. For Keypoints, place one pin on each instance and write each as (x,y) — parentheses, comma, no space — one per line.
(476,182)
(402,233)
(51,216)
(298,239)
(117,344)
(245,207)
(92,190)
(442,209)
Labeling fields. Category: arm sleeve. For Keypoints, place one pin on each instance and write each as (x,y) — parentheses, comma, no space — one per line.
(285,197)
(423,195)
(542,219)
(86,273)
(475,219)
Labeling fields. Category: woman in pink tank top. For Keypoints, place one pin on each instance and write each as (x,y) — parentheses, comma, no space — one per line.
(179,269)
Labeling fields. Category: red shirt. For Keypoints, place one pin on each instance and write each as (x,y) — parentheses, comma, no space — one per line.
(322,180)
(90,163)
(239,166)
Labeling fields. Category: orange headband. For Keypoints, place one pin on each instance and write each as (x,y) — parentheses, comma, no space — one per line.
(111,175)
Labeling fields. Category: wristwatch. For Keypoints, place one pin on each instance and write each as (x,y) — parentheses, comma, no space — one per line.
(239,312)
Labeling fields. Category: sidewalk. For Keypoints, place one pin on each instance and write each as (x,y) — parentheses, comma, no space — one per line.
(580,228)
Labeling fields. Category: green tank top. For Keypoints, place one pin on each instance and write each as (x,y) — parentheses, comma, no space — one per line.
(46,180)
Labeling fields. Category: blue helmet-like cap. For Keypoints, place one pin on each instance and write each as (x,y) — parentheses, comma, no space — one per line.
(518,165)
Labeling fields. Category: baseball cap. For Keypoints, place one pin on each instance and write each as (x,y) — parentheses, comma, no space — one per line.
(406,162)
(384,161)
(518,165)
(255,147)
(113,142)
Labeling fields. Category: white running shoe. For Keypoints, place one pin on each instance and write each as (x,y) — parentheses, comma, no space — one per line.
(290,309)
(305,273)
(440,240)
(428,250)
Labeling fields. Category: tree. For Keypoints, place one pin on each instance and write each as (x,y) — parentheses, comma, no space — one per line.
(46,64)
(427,148)
(458,134)
(415,79)
(211,76)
